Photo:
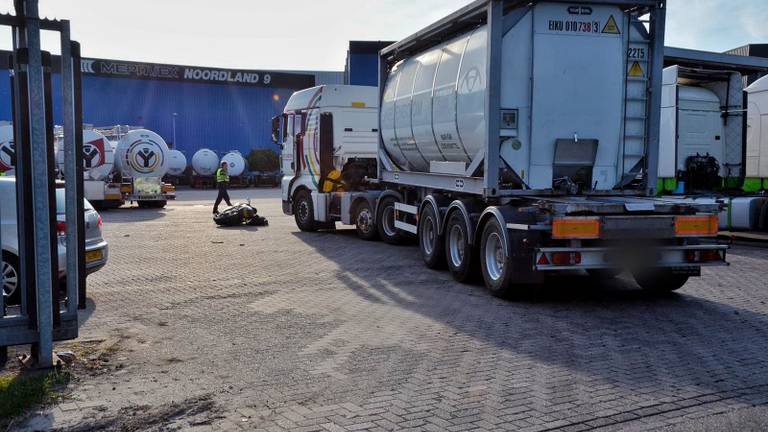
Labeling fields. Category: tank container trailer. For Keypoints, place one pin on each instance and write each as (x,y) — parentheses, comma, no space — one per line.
(143,157)
(519,138)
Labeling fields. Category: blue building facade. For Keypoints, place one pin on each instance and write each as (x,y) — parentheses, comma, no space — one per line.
(362,66)
(220,109)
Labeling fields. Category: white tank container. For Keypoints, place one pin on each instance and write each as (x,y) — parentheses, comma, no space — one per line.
(142,153)
(98,155)
(177,162)
(757,129)
(7,148)
(569,88)
(205,162)
(235,163)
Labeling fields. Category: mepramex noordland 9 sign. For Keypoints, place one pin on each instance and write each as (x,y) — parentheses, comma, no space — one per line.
(155,71)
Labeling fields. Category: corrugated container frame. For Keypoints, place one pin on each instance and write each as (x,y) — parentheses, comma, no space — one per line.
(221,117)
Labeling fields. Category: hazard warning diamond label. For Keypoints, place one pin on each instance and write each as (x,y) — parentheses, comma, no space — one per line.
(611,27)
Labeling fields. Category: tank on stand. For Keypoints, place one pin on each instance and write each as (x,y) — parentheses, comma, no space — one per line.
(205,162)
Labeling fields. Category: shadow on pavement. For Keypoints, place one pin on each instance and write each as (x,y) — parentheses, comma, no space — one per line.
(610,330)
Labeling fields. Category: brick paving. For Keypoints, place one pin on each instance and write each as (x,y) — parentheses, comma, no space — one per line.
(281,330)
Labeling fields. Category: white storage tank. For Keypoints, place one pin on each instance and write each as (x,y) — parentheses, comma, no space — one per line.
(205,162)
(7,148)
(177,163)
(98,155)
(577,102)
(757,130)
(235,163)
(142,153)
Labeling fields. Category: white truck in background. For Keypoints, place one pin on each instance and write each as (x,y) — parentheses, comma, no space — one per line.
(505,160)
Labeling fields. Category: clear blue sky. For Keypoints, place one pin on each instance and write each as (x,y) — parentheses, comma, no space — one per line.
(313,34)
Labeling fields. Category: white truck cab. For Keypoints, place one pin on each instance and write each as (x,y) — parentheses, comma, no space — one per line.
(328,136)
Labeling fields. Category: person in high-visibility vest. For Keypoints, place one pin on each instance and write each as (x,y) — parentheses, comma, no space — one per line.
(222,181)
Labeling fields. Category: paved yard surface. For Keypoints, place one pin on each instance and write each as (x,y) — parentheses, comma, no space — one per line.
(274,329)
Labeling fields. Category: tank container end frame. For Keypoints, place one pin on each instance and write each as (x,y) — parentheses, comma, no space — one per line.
(491,13)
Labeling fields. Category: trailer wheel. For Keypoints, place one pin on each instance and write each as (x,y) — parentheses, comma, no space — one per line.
(430,241)
(496,268)
(660,281)
(458,251)
(365,221)
(385,222)
(304,211)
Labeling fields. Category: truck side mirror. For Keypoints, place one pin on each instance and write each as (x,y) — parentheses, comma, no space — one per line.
(276,129)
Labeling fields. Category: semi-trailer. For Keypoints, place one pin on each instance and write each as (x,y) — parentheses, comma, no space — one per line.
(141,157)
(514,139)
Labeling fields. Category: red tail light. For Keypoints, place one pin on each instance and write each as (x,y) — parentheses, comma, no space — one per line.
(566,258)
(703,256)
(61,228)
(99,222)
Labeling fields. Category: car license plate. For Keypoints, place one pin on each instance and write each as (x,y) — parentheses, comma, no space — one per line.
(93,256)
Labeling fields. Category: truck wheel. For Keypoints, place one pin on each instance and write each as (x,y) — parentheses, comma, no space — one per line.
(458,251)
(660,281)
(430,242)
(304,211)
(385,222)
(365,221)
(497,272)
(10,270)
(160,204)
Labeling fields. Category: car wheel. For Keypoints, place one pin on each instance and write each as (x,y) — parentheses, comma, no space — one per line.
(365,221)
(430,241)
(304,211)
(11,272)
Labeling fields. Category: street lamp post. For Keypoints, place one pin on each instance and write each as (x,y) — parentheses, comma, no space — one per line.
(174,131)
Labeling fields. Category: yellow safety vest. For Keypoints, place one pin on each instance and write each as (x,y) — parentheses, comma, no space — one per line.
(221,176)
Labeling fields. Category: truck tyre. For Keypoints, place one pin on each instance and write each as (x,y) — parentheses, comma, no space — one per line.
(11,271)
(494,262)
(385,222)
(304,211)
(458,251)
(430,241)
(365,221)
(160,204)
(660,281)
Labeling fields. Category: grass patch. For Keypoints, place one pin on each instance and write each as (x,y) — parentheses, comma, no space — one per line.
(19,393)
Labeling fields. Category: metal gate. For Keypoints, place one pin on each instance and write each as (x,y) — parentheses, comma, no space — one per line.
(43,314)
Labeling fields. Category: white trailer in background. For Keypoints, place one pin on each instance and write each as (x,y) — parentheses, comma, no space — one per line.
(99,185)
(757,136)
(701,137)
(142,159)
(515,139)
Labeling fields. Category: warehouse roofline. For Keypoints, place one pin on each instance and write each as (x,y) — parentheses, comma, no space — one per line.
(698,59)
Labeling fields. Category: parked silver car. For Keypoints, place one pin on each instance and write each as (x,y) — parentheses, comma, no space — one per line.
(96,250)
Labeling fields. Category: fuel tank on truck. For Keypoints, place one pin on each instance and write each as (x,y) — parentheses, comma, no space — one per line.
(177,163)
(98,155)
(575,106)
(235,163)
(205,162)
(142,153)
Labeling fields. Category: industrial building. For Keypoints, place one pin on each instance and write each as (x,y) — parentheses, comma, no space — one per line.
(191,107)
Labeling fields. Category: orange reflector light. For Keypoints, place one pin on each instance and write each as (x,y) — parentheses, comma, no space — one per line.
(566,258)
(576,228)
(686,226)
(703,256)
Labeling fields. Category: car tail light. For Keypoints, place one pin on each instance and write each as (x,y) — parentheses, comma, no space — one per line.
(703,256)
(576,228)
(99,222)
(696,226)
(566,258)
(61,228)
